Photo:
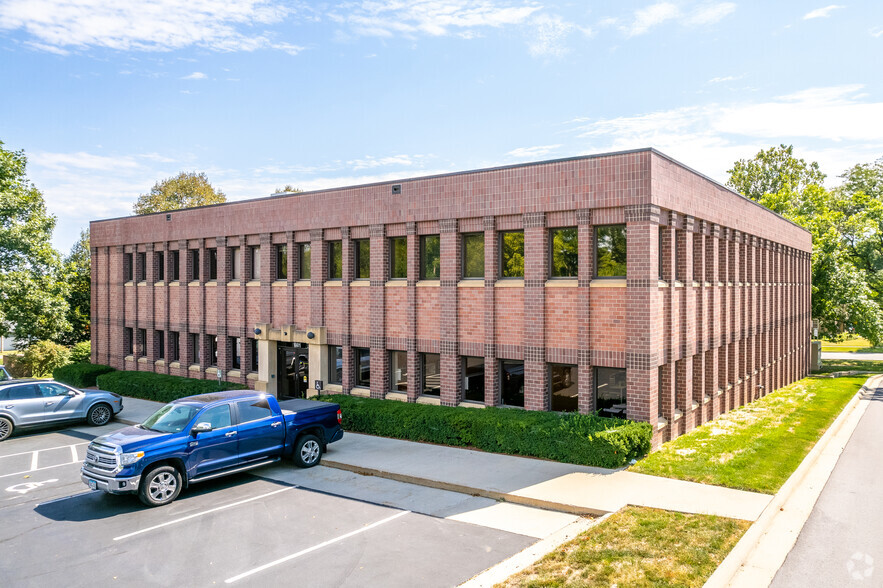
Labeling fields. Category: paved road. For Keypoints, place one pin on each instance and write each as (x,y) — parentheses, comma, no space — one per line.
(276,526)
(852,356)
(842,544)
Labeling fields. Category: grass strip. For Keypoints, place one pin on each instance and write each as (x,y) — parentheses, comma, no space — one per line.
(638,546)
(757,446)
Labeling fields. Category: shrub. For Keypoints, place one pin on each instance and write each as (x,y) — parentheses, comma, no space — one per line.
(81,352)
(159,387)
(572,438)
(44,356)
(13,365)
(80,375)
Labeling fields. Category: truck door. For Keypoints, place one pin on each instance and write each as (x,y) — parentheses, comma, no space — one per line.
(261,433)
(216,449)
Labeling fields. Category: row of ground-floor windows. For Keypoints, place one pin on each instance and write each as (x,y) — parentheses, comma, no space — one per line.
(610,384)
(135,343)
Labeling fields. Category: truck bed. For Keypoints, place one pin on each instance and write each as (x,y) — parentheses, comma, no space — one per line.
(303,405)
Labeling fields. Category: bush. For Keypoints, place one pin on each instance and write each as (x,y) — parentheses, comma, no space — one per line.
(572,438)
(159,387)
(81,352)
(13,365)
(44,356)
(80,375)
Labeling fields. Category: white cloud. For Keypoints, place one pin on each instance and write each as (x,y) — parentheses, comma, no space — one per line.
(722,79)
(654,15)
(532,152)
(651,16)
(550,34)
(197,75)
(822,12)
(161,25)
(710,13)
(371,162)
(876,32)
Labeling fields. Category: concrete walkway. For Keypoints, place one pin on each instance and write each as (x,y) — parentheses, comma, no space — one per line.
(852,356)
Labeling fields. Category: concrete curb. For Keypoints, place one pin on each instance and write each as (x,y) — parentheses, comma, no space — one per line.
(760,553)
(440,485)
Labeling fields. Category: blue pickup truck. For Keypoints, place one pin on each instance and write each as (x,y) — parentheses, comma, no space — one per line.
(207,436)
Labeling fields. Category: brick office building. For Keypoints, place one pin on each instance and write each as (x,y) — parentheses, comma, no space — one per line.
(624,283)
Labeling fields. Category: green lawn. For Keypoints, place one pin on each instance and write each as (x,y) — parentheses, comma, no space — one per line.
(638,547)
(850,345)
(757,446)
(844,365)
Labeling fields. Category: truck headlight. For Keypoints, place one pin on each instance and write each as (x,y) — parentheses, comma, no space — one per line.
(130,458)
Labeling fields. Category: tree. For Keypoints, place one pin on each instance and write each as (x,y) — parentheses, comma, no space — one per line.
(186,190)
(32,303)
(288,188)
(772,170)
(78,275)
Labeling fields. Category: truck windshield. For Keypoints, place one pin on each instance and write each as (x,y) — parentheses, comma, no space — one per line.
(172,418)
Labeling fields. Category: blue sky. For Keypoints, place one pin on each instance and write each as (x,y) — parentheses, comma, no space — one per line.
(106,98)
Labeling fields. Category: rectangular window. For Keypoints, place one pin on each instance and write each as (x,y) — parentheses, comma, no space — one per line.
(142,342)
(212,263)
(512,382)
(194,264)
(159,344)
(128,271)
(473,379)
(159,261)
(141,267)
(398,258)
(335,364)
(610,251)
(362,366)
(128,340)
(398,365)
(564,388)
(473,255)
(235,263)
(674,246)
(195,351)
(610,393)
(362,249)
(176,265)
(281,262)
(236,346)
(661,247)
(430,257)
(431,370)
(335,260)
(255,253)
(174,346)
(512,254)
(564,249)
(304,253)
(255,363)
(213,350)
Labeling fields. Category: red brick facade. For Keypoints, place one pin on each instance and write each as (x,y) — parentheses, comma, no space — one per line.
(723,320)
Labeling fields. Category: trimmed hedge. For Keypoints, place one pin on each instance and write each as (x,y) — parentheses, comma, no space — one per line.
(80,375)
(159,387)
(572,438)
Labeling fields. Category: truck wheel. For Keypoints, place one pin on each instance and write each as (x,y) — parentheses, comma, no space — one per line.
(160,486)
(98,415)
(307,451)
(6,428)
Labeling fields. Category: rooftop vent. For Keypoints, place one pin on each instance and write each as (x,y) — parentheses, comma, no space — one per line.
(396,188)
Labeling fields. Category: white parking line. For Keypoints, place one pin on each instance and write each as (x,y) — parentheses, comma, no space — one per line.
(314,548)
(45,449)
(74,453)
(199,514)
(35,460)
(38,469)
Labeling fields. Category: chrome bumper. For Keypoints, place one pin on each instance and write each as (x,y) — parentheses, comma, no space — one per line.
(110,485)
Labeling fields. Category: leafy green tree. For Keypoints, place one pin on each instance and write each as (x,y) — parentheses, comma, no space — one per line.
(863,185)
(32,295)
(78,275)
(288,188)
(40,358)
(772,170)
(186,190)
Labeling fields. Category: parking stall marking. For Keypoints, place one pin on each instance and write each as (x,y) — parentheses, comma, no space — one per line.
(34,465)
(315,547)
(45,449)
(35,460)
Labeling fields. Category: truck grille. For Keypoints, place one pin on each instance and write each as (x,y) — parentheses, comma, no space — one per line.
(101,458)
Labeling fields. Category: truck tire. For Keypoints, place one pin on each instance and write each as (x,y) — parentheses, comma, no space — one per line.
(98,415)
(6,428)
(160,485)
(307,451)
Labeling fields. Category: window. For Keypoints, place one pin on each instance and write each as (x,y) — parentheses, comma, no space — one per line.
(212,263)
(141,267)
(142,342)
(236,345)
(304,253)
(610,251)
(254,354)
(512,254)
(398,364)
(610,393)
(362,365)
(128,340)
(473,255)
(23,392)
(362,250)
(335,260)
(217,416)
(194,264)
(159,262)
(127,267)
(213,350)
(253,410)
(431,370)
(661,247)
(235,263)
(564,247)
(159,344)
(174,346)
(430,257)
(176,265)
(50,389)
(512,382)
(398,258)
(473,379)
(563,380)
(335,364)
(255,253)
(281,262)
(195,355)
(674,246)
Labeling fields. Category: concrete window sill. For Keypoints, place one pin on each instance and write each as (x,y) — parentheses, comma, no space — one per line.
(400,396)
(253,283)
(428,284)
(302,283)
(608,283)
(433,400)
(471,283)
(193,368)
(562,283)
(252,376)
(360,283)
(396,283)
(333,283)
(361,392)
(280,284)
(509,283)
(471,404)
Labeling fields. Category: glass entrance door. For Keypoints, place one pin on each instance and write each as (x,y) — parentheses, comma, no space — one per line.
(292,370)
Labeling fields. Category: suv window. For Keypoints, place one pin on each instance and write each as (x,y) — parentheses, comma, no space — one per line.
(218,416)
(253,410)
(22,392)
(50,389)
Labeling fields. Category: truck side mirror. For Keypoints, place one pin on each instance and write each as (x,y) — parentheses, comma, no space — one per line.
(201,428)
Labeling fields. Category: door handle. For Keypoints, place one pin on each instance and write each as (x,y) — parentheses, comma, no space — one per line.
(9,406)
(276,424)
(48,403)
(230,434)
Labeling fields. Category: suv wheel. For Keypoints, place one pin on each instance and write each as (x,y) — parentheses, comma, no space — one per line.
(307,451)
(6,428)
(98,415)
(161,485)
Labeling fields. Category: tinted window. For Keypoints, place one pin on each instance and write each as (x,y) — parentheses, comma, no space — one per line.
(50,389)
(430,257)
(610,251)
(398,258)
(512,382)
(473,379)
(563,379)
(23,392)
(565,253)
(172,418)
(253,410)
(473,255)
(219,417)
(512,254)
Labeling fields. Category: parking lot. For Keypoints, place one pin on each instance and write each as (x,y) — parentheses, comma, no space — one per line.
(277,525)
